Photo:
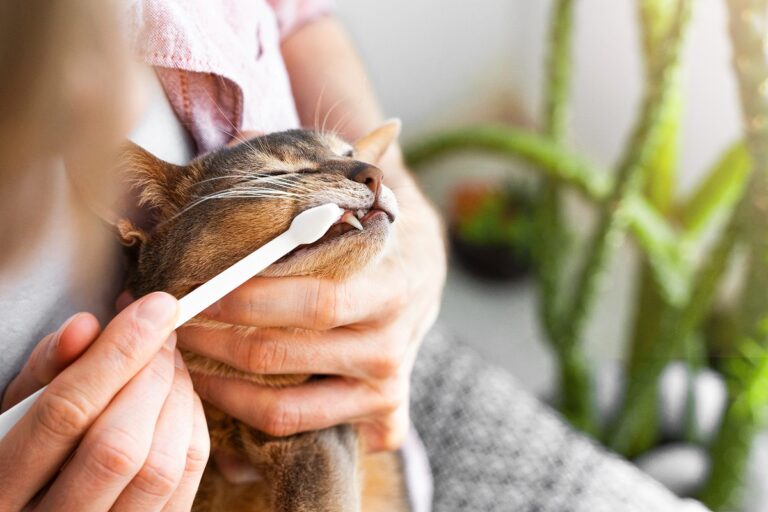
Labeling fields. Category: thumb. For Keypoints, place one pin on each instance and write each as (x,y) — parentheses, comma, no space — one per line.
(52,354)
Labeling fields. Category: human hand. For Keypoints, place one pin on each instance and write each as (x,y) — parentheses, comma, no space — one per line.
(362,333)
(119,426)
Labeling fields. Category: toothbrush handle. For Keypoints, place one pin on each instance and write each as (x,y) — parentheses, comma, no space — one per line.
(191,304)
(307,227)
(10,417)
(209,292)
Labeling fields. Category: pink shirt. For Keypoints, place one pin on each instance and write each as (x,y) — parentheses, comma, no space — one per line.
(233,81)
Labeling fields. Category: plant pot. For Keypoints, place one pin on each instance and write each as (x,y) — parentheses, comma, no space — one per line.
(491,262)
(491,226)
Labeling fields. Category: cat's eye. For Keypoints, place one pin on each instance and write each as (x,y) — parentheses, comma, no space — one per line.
(278,173)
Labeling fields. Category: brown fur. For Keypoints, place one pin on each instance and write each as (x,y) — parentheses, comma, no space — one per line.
(212,213)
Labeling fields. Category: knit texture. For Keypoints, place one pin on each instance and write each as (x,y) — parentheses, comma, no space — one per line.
(492,446)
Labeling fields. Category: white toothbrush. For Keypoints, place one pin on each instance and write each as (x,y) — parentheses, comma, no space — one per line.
(306,228)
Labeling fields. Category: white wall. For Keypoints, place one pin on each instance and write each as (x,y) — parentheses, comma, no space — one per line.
(429,58)
(425,56)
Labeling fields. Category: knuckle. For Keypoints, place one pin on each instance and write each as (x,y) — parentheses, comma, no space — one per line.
(197,455)
(396,303)
(281,420)
(159,476)
(388,432)
(266,356)
(392,441)
(163,374)
(114,454)
(323,301)
(63,416)
(392,396)
(385,365)
(128,341)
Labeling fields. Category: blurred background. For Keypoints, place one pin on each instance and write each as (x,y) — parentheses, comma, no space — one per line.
(438,64)
(445,65)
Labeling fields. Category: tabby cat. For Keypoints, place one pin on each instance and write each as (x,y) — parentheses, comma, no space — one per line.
(218,209)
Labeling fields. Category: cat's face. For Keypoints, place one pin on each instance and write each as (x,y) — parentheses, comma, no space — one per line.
(226,204)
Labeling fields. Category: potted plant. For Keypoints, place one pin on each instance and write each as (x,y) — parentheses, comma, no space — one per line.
(491,229)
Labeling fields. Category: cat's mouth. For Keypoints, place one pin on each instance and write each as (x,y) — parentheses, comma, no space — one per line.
(351,223)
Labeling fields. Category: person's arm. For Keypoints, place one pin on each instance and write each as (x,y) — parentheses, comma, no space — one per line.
(367,330)
(332,89)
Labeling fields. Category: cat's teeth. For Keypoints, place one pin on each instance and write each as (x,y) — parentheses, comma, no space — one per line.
(360,214)
(351,220)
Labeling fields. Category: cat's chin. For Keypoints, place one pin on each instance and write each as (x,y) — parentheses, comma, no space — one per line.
(340,255)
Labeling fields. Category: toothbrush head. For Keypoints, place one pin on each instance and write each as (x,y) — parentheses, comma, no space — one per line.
(310,225)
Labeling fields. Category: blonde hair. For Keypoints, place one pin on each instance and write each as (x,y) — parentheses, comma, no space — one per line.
(64,94)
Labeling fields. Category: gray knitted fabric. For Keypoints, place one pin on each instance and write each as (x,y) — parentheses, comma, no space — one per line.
(492,446)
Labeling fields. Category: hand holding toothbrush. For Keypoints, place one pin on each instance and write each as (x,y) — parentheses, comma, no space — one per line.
(106,434)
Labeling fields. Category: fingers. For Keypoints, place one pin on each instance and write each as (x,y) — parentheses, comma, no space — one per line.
(125,346)
(197,457)
(117,445)
(52,355)
(310,303)
(35,448)
(340,351)
(315,405)
(161,473)
(386,433)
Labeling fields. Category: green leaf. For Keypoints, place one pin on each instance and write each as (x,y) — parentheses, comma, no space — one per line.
(670,262)
(719,192)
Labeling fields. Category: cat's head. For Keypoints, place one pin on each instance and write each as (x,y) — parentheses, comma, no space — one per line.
(225,204)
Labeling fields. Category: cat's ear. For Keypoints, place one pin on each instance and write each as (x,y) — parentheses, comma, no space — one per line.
(129,234)
(155,181)
(371,147)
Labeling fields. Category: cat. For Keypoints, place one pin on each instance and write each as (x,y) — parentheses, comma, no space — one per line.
(218,209)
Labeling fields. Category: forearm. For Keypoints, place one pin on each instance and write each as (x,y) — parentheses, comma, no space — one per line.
(332,90)
(329,81)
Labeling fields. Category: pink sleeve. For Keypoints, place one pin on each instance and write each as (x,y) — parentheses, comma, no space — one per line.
(293,14)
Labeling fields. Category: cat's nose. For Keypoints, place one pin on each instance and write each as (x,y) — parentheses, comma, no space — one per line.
(369,176)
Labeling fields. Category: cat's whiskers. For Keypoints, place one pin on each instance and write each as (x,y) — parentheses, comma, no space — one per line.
(317,105)
(237,193)
(235,135)
(328,113)
(250,179)
(341,122)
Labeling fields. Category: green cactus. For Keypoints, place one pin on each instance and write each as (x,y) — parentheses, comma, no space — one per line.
(678,288)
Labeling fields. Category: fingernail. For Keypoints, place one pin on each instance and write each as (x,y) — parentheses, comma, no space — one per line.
(53,345)
(158,309)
